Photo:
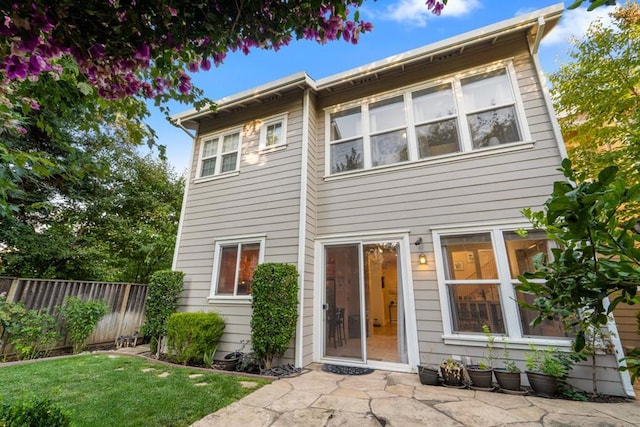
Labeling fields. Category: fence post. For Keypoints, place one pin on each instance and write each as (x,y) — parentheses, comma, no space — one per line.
(13,290)
(123,308)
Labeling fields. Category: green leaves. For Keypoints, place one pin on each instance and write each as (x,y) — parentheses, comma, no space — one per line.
(275,309)
(163,295)
(80,318)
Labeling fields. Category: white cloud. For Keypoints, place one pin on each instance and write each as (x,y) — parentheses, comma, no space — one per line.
(415,12)
(575,23)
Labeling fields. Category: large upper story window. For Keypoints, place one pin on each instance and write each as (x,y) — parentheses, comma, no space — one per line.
(219,154)
(478,273)
(235,261)
(453,115)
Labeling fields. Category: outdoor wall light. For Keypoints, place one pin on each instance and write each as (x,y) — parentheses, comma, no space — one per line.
(419,241)
(422,258)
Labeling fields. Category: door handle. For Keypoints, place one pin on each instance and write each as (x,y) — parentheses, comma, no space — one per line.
(325,306)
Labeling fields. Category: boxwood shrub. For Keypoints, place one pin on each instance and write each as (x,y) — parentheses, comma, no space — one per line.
(33,411)
(190,336)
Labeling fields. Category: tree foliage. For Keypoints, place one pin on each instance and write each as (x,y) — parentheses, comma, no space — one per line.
(118,223)
(80,319)
(275,309)
(597,97)
(598,253)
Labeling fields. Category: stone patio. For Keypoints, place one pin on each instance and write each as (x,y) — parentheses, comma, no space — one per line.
(383,398)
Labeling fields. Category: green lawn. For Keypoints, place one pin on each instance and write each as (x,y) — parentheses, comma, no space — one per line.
(109,390)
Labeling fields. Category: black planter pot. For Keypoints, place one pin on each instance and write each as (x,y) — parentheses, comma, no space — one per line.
(229,363)
(542,383)
(453,378)
(508,380)
(480,378)
(428,376)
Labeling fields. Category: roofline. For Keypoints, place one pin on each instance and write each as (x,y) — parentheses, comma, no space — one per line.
(517,23)
(297,79)
(550,14)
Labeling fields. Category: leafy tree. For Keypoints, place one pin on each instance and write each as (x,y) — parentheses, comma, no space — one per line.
(598,253)
(80,319)
(117,224)
(597,97)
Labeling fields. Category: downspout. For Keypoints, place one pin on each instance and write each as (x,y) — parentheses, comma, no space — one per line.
(302,228)
(618,353)
(178,123)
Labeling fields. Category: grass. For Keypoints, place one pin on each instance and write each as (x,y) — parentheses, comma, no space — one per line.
(103,390)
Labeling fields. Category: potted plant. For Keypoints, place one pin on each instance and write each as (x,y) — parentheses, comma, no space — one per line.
(428,374)
(231,360)
(509,378)
(453,373)
(481,375)
(545,367)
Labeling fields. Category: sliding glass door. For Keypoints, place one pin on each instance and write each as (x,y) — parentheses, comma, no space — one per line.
(363,302)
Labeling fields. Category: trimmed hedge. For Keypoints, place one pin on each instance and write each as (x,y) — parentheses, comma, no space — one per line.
(163,294)
(191,336)
(275,310)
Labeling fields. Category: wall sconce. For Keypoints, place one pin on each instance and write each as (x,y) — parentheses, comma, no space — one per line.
(422,258)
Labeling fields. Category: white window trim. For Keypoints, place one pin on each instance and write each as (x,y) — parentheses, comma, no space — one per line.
(454,80)
(219,244)
(220,136)
(513,331)
(281,118)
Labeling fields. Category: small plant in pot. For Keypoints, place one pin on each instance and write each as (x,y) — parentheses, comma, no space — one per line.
(509,377)
(546,368)
(481,375)
(453,373)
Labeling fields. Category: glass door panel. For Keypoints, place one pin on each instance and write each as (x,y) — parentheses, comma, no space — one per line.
(343,337)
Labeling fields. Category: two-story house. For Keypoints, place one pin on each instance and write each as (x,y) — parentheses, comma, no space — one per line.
(396,189)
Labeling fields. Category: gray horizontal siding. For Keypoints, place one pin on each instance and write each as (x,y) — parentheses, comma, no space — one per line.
(263,199)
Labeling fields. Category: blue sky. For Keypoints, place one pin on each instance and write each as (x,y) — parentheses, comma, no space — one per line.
(399,25)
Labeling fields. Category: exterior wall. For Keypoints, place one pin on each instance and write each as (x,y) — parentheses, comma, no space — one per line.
(263,199)
(469,188)
(311,219)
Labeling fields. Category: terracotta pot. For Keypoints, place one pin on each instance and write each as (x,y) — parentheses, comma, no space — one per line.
(542,383)
(508,380)
(428,376)
(480,378)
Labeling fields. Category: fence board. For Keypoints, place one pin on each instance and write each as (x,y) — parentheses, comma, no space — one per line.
(126,302)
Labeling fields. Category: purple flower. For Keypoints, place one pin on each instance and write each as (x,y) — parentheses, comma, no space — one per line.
(430,4)
(34,105)
(185,84)
(172,11)
(22,130)
(438,8)
(143,53)
(97,51)
(36,64)
(16,69)
(205,64)
(193,67)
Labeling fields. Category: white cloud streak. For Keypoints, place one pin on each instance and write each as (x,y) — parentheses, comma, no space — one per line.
(415,12)
(575,23)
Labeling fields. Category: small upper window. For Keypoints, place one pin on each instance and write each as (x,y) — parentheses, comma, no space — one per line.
(219,154)
(273,133)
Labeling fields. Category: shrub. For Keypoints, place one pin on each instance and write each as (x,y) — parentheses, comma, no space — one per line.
(33,412)
(193,336)
(275,298)
(80,319)
(163,295)
(31,332)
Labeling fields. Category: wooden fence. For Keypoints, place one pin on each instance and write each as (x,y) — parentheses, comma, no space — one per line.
(126,300)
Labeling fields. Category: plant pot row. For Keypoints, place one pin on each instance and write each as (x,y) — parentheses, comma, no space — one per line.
(483,379)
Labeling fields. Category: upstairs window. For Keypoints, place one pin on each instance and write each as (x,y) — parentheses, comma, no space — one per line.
(453,115)
(219,154)
(273,133)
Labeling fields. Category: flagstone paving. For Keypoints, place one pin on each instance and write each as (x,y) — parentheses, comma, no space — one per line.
(390,399)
